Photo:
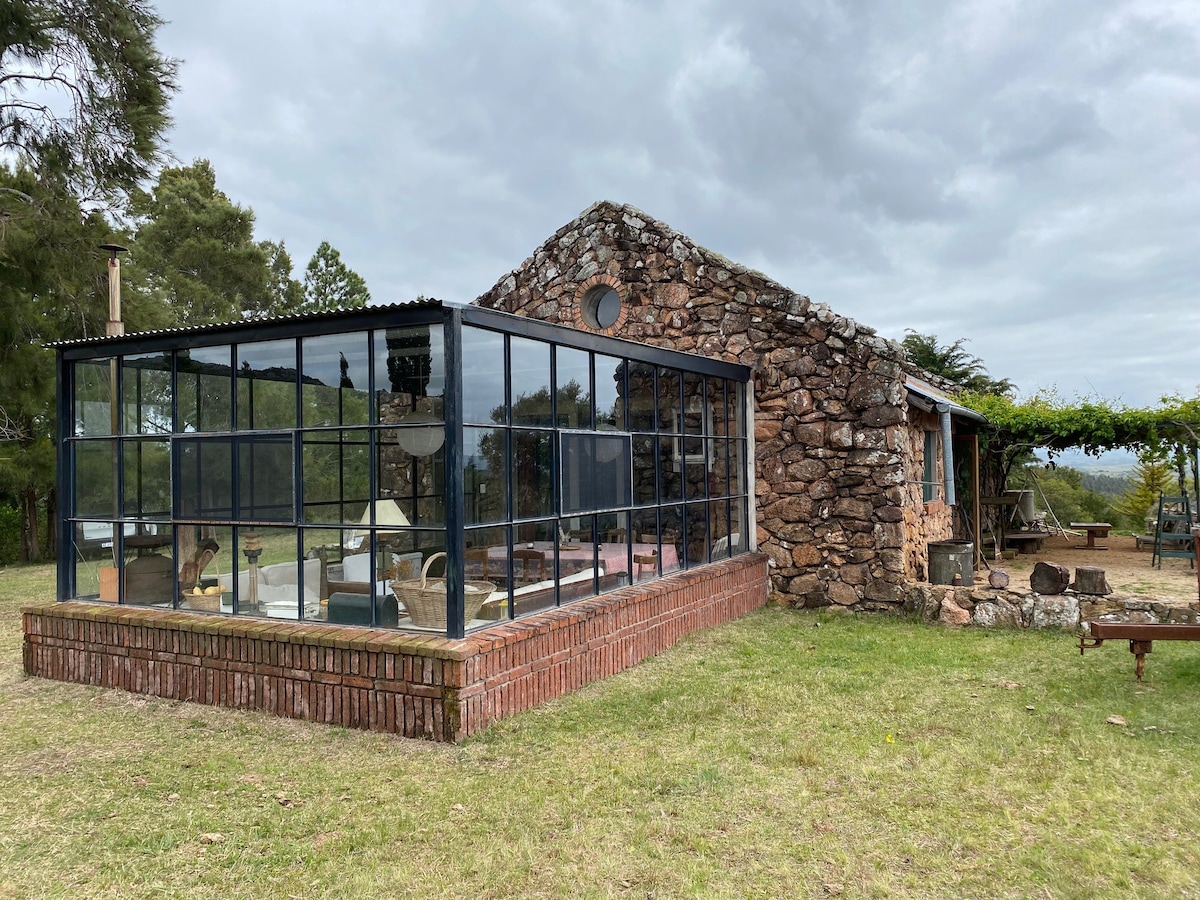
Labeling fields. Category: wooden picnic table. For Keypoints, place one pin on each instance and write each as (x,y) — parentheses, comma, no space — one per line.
(1093,530)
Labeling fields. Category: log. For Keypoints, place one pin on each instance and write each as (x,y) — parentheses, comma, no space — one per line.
(1090,580)
(1049,578)
(998,579)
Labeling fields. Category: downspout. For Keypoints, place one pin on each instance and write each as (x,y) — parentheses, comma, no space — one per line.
(947,454)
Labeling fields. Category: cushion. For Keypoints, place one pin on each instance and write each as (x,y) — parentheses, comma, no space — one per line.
(357,567)
(287,573)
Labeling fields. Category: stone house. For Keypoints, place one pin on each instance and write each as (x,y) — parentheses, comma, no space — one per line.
(852,446)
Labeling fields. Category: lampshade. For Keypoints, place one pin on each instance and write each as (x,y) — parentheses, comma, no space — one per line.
(420,441)
(386,513)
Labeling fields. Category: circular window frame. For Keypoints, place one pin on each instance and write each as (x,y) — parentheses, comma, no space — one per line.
(595,293)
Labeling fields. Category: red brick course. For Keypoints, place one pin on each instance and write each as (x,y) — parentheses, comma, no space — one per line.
(415,685)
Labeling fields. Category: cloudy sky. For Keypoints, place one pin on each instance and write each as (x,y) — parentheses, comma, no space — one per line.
(1025,175)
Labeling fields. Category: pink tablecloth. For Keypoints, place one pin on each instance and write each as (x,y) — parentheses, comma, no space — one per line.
(614,557)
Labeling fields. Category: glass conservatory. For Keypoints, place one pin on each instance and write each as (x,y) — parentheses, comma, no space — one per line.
(426,467)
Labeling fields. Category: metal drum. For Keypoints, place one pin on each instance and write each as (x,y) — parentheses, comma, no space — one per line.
(950,558)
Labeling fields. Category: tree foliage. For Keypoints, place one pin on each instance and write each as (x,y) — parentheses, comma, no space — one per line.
(330,284)
(84,91)
(286,294)
(195,250)
(1151,476)
(953,363)
(1062,489)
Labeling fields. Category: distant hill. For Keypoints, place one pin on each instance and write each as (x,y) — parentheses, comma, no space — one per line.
(1111,486)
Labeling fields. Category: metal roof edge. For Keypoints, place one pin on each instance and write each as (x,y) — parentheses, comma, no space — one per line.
(937,397)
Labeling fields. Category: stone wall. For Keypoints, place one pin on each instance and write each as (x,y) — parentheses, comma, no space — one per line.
(1023,608)
(831,414)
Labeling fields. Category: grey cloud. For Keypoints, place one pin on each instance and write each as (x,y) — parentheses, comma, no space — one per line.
(966,168)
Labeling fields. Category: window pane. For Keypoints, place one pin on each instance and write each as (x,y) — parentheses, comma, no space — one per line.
(644,529)
(487,562)
(532,485)
(95,478)
(485,474)
(719,410)
(336,472)
(697,415)
(612,550)
(93,396)
(416,482)
(205,487)
(272,579)
(737,407)
(641,397)
(410,375)
(146,394)
(718,526)
(645,467)
(671,530)
(718,461)
(147,479)
(530,382)
(670,472)
(574,394)
(668,401)
(204,389)
(737,467)
(335,383)
(483,376)
(266,385)
(739,538)
(205,552)
(610,391)
(595,471)
(265,483)
(697,533)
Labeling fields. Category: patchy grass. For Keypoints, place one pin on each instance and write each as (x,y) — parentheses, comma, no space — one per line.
(770,757)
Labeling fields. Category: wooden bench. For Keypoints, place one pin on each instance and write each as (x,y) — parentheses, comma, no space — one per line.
(1140,637)
(1021,540)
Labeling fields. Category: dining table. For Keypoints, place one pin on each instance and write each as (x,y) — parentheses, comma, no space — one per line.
(573,557)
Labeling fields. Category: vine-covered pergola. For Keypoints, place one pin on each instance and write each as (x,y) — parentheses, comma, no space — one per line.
(1047,422)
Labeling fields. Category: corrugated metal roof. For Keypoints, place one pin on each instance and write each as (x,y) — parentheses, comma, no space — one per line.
(427,303)
(929,392)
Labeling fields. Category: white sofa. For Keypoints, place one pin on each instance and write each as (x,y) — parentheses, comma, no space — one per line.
(277,589)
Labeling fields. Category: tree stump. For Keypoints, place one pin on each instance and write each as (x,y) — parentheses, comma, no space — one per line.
(1050,578)
(998,579)
(1090,580)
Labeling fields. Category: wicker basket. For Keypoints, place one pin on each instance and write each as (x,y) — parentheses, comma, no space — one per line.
(425,598)
(201,601)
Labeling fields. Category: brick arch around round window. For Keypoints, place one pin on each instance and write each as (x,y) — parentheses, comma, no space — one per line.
(584,318)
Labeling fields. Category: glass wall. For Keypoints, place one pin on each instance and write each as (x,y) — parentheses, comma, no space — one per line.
(304,475)
(587,471)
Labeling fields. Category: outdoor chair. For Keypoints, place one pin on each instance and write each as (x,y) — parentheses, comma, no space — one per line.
(527,558)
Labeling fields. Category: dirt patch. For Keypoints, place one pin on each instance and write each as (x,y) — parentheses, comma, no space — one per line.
(1126,568)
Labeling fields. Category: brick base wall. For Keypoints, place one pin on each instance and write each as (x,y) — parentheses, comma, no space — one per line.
(418,686)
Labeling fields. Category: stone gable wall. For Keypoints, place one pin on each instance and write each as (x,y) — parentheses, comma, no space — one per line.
(833,451)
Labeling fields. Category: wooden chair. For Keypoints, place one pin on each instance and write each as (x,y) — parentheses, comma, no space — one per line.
(477,563)
(645,560)
(525,557)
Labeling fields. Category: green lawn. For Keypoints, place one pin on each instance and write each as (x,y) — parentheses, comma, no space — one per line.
(866,757)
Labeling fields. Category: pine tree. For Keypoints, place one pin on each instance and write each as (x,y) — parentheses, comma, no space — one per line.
(330,284)
(1151,476)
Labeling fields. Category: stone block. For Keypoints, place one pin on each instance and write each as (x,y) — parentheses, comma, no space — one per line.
(1059,611)
(842,594)
(950,613)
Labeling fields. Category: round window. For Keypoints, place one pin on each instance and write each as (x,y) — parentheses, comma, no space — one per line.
(601,306)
